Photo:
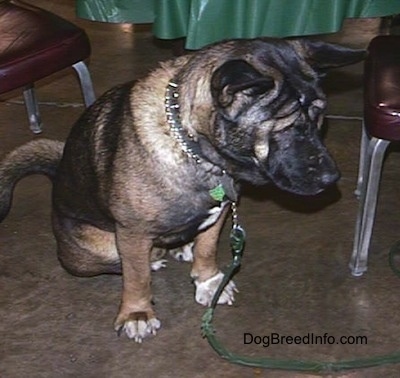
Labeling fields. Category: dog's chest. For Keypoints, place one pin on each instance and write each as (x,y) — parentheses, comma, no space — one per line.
(213,215)
(183,229)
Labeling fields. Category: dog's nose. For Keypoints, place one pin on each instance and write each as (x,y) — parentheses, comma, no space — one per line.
(330,177)
(325,168)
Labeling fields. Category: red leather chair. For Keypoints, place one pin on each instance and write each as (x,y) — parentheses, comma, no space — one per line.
(35,43)
(381,127)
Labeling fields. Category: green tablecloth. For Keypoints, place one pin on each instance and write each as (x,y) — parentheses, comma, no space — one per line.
(118,11)
(207,21)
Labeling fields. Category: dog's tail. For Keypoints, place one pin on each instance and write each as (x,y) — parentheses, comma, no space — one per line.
(38,156)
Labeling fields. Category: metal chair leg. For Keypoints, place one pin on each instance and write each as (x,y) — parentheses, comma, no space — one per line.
(32,105)
(32,108)
(372,168)
(86,83)
(363,152)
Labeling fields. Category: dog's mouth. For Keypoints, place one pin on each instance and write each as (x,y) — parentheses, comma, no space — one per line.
(307,186)
(307,182)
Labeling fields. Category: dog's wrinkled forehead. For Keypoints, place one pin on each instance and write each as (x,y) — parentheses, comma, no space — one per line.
(273,86)
(278,75)
(291,72)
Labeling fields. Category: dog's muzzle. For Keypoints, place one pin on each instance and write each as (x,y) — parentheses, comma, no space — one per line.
(299,162)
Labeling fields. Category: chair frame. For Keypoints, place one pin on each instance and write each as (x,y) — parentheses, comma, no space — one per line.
(32,105)
(372,153)
(29,93)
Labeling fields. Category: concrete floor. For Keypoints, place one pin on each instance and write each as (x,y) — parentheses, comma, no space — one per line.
(294,279)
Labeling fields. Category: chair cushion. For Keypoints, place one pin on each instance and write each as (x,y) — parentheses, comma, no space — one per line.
(382,88)
(35,43)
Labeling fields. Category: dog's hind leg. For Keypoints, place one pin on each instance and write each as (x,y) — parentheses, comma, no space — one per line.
(136,316)
(85,250)
(205,272)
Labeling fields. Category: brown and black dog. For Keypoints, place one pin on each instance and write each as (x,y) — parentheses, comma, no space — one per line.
(155,163)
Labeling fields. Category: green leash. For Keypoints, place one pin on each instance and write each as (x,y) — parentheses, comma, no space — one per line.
(237,242)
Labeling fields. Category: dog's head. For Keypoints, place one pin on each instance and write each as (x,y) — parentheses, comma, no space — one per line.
(268,110)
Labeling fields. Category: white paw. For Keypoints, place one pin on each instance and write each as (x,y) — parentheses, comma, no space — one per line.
(205,291)
(159,264)
(184,253)
(139,329)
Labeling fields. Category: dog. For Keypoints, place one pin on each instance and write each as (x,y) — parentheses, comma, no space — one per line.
(154,164)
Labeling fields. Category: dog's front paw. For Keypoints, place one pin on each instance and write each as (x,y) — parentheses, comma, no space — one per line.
(205,290)
(184,253)
(137,326)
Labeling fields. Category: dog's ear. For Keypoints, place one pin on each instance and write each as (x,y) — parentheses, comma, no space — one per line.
(321,55)
(237,79)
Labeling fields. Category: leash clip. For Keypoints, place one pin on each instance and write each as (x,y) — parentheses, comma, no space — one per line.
(237,237)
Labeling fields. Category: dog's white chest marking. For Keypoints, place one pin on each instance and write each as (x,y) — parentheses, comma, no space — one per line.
(213,215)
